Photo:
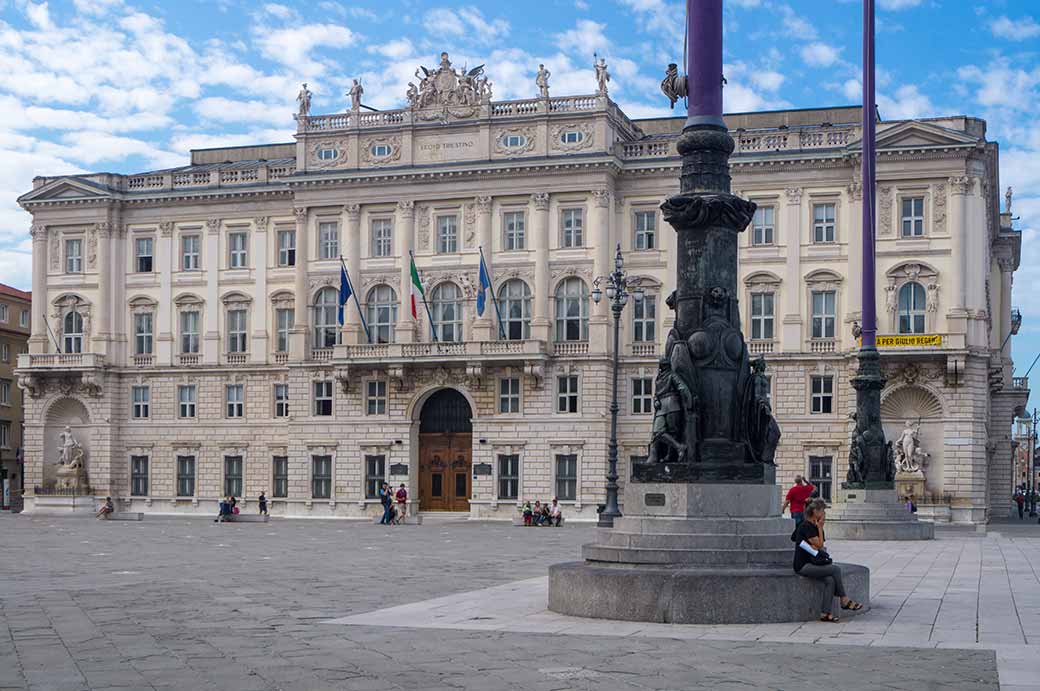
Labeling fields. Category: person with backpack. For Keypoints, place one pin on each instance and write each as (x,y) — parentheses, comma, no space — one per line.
(386,498)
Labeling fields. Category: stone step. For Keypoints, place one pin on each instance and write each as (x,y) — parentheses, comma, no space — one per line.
(617,538)
(701,526)
(736,558)
(247,518)
(125,516)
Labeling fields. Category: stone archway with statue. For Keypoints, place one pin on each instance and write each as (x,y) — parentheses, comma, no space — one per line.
(912,416)
(66,447)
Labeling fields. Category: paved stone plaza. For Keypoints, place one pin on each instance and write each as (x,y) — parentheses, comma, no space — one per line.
(190,604)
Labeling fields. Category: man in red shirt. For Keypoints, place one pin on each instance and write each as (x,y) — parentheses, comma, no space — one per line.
(796,498)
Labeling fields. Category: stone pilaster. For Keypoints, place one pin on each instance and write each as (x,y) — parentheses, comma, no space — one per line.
(351,223)
(404,226)
(211,319)
(298,337)
(541,321)
(260,312)
(38,340)
(484,327)
(598,231)
(166,262)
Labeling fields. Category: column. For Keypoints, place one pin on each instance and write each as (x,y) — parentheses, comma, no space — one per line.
(404,228)
(258,319)
(959,187)
(298,338)
(854,304)
(38,340)
(165,261)
(541,323)
(599,233)
(1007,267)
(352,331)
(485,328)
(211,326)
(793,335)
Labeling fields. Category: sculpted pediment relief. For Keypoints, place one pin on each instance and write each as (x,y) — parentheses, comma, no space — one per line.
(65,188)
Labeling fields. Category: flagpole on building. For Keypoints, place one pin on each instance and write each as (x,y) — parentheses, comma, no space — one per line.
(429,314)
(491,288)
(357,303)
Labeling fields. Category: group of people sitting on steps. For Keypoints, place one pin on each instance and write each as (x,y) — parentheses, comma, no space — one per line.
(542,514)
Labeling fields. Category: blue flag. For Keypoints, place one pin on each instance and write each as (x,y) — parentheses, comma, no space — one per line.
(344,292)
(485,283)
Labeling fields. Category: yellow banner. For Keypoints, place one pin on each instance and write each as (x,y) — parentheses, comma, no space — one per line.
(909,340)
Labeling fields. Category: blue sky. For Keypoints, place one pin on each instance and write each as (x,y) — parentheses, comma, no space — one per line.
(125,86)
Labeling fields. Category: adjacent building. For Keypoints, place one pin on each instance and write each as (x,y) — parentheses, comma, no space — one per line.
(14,341)
(197,348)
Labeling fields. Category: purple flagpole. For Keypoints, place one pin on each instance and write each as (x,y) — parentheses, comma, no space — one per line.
(869,326)
(704,63)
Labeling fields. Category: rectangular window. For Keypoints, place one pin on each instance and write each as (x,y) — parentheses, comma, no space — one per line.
(321,477)
(286,248)
(513,224)
(447,234)
(280,473)
(912,220)
(185,476)
(323,398)
(572,228)
(820,475)
(237,246)
(285,319)
(237,334)
(567,394)
(143,255)
(186,401)
(23,319)
(191,248)
(646,230)
(141,397)
(375,473)
(143,333)
(762,316)
(566,477)
(281,400)
(822,394)
(382,237)
(3,313)
(139,476)
(509,395)
(642,395)
(644,320)
(5,392)
(823,222)
(762,227)
(189,332)
(235,399)
(375,397)
(5,352)
(328,240)
(823,313)
(233,476)
(5,435)
(508,476)
(74,256)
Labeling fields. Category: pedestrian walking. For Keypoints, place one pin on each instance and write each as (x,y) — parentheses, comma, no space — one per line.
(1020,499)
(402,503)
(812,561)
(263,504)
(386,498)
(796,498)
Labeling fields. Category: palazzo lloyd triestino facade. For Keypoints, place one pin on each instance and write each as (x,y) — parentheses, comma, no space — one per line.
(184,321)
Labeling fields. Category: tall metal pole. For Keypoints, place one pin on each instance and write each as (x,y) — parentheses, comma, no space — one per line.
(868,165)
(611,509)
(1032,468)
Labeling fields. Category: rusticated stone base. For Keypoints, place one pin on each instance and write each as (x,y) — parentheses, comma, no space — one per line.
(874,514)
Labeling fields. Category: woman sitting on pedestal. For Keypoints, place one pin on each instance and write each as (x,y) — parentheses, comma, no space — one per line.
(812,561)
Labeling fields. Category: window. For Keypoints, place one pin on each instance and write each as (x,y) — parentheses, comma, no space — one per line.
(567,394)
(642,395)
(321,477)
(326,309)
(328,154)
(820,475)
(280,473)
(141,398)
(328,240)
(5,352)
(572,310)
(375,397)
(644,320)
(514,141)
(447,234)
(285,318)
(186,401)
(763,226)
(571,137)
(323,398)
(822,394)
(823,312)
(912,220)
(572,228)
(73,332)
(191,246)
(23,319)
(143,255)
(189,332)
(375,473)
(509,395)
(185,476)
(382,314)
(237,246)
(139,476)
(143,333)
(513,224)
(381,150)
(823,222)
(382,237)
(74,256)
(286,248)
(281,400)
(911,308)
(762,316)
(4,315)
(646,230)
(5,435)
(236,332)
(235,399)
(514,304)
(5,392)
(447,312)
(233,476)
(566,477)
(508,476)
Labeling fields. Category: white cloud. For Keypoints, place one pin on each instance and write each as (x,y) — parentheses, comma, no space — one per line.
(279,11)
(767,80)
(39,15)
(466,21)
(820,54)
(395,49)
(907,102)
(293,46)
(586,38)
(1015,29)
(795,26)
(896,5)
(220,109)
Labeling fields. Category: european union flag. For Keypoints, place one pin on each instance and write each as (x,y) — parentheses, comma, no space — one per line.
(344,291)
(485,283)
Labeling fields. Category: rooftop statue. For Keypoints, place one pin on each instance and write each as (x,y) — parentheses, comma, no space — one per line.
(304,99)
(356,90)
(542,81)
(602,75)
(443,86)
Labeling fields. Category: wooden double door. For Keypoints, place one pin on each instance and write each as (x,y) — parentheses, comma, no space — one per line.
(445,471)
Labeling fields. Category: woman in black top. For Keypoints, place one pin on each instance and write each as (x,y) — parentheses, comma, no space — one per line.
(811,531)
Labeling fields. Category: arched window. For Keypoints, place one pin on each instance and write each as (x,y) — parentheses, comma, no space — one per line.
(514,302)
(911,308)
(447,312)
(326,306)
(382,314)
(572,310)
(72,331)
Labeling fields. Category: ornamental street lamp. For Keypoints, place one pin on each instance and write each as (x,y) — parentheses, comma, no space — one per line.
(618,288)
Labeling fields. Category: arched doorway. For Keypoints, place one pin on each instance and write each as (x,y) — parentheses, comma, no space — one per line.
(445,452)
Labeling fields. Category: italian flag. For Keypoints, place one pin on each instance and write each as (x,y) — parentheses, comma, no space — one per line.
(417,291)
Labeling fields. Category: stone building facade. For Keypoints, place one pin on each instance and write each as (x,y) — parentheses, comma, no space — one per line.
(14,341)
(201,352)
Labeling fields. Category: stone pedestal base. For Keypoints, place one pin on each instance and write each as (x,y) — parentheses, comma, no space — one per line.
(874,514)
(57,505)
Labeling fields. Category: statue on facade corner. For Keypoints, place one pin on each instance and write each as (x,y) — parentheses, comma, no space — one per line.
(304,99)
(602,75)
(71,454)
(1007,200)
(542,81)
(355,93)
